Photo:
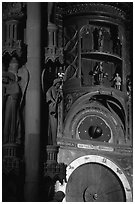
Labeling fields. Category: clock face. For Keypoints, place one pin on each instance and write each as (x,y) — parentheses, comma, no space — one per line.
(94,127)
(94,182)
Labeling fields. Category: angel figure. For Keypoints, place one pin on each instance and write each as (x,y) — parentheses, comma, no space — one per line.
(15,82)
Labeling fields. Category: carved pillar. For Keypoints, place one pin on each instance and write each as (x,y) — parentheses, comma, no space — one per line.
(32,111)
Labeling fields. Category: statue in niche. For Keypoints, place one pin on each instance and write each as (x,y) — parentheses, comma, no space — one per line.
(117,82)
(86,39)
(98,39)
(107,45)
(129,86)
(117,45)
(53,98)
(98,73)
(15,82)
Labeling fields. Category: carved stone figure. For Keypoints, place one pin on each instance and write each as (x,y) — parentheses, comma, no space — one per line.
(117,46)
(14,89)
(99,74)
(100,39)
(53,98)
(129,86)
(117,82)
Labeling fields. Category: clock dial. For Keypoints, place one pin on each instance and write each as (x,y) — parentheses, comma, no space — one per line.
(94,182)
(95,128)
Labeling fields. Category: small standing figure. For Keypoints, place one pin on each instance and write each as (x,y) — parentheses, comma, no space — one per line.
(53,98)
(100,39)
(117,82)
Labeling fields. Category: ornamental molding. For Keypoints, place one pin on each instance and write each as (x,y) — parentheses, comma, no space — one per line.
(93,7)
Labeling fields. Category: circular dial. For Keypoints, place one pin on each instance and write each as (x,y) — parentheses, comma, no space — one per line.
(94,127)
(94,182)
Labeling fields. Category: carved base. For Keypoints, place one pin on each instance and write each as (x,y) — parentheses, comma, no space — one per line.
(12,157)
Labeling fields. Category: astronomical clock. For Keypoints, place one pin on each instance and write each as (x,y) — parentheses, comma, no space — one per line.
(73,142)
(95,116)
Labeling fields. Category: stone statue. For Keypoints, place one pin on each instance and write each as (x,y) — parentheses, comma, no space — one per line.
(14,89)
(53,98)
(98,73)
(129,85)
(117,82)
(100,39)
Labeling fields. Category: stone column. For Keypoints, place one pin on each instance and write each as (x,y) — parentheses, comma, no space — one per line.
(32,108)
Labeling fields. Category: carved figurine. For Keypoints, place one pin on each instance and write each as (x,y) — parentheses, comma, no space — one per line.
(117,82)
(99,74)
(14,82)
(53,98)
(129,85)
(100,39)
(117,46)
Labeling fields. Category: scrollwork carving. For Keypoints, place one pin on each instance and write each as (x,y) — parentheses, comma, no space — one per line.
(70,49)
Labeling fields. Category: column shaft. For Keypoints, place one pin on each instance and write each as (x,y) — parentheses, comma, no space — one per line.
(32,109)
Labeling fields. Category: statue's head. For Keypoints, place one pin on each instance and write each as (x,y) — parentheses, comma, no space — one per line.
(13,65)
